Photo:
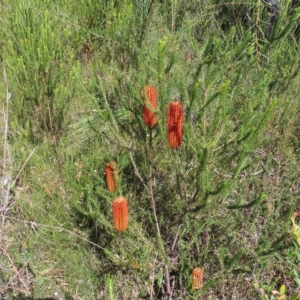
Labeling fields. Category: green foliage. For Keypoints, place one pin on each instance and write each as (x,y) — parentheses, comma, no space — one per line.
(295,231)
(222,201)
(40,63)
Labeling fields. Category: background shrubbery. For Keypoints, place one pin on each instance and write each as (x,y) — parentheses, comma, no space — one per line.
(72,75)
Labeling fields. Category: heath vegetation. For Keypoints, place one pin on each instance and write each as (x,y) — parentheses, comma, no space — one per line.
(150,149)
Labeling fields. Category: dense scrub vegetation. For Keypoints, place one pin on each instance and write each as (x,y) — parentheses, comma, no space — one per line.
(72,97)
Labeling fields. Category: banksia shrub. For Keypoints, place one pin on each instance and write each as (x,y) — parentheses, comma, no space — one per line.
(111,175)
(149,96)
(197,280)
(175,124)
(120,213)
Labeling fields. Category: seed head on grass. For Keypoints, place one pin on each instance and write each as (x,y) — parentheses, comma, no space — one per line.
(120,213)
(111,175)
(175,124)
(197,278)
(149,96)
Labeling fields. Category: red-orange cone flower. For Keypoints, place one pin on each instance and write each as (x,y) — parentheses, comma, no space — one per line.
(111,174)
(149,96)
(175,124)
(197,280)
(120,213)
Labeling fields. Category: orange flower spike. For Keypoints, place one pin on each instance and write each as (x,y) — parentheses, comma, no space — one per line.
(120,213)
(111,176)
(197,280)
(175,124)
(149,96)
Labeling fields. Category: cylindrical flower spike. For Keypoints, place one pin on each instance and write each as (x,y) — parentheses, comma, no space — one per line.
(197,278)
(120,213)
(175,124)
(149,96)
(111,176)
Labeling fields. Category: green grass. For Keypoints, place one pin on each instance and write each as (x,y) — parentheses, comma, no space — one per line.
(223,200)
